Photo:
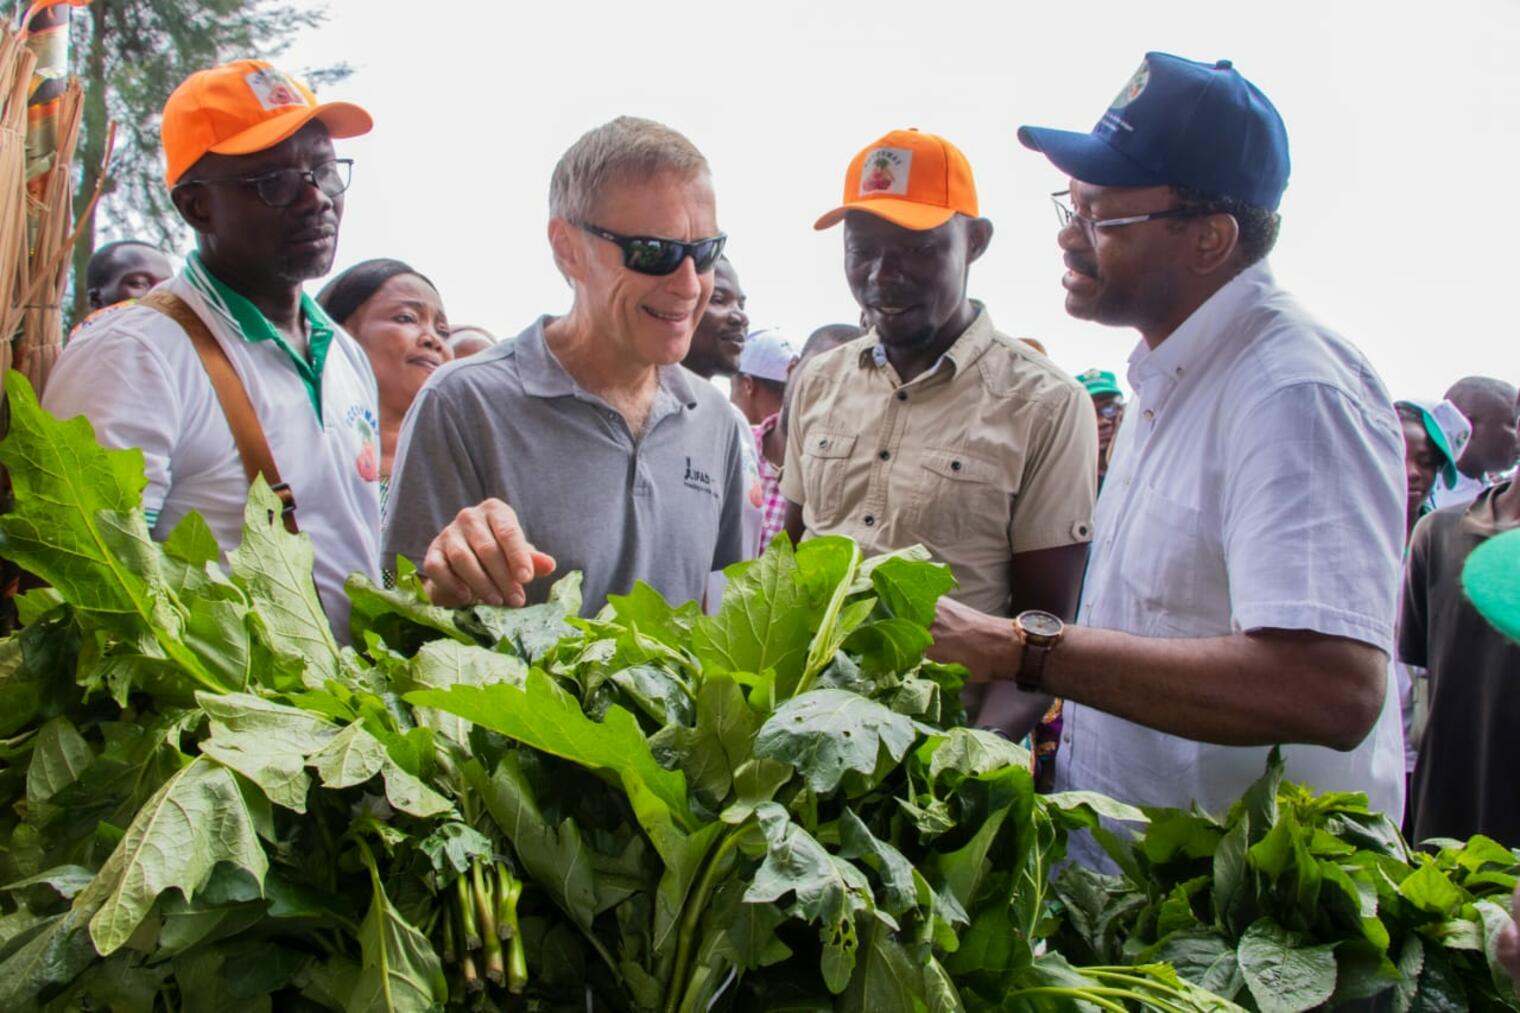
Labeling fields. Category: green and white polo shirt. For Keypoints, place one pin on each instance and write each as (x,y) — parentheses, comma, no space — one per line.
(138,379)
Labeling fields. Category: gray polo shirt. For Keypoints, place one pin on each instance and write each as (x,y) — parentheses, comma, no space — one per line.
(510,422)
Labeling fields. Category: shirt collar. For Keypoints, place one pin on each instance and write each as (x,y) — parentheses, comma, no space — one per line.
(973,342)
(246,319)
(543,375)
(240,316)
(1200,333)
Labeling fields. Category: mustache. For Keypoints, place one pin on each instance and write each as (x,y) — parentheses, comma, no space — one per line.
(1080,265)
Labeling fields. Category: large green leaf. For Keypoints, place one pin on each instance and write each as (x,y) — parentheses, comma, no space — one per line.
(899,892)
(826,732)
(530,632)
(274,567)
(764,622)
(78,524)
(266,742)
(401,615)
(53,956)
(886,977)
(828,566)
(541,715)
(1283,974)
(972,751)
(644,611)
(197,819)
(1202,956)
(30,663)
(659,694)
(401,972)
(554,857)
(721,742)
(910,589)
(824,887)
(444,663)
(218,625)
(59,756)
(826,890)
(353,756)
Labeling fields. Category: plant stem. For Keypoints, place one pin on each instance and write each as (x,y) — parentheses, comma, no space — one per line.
(696,906)
(1093,996)
(485,913)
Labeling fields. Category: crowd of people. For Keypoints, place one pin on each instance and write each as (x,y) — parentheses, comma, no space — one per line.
(1258,547)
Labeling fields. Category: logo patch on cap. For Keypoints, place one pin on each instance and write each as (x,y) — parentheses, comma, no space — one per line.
(1136,85)
(274,90)
(886,171)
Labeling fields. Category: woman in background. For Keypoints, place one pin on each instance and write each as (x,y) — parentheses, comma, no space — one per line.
(397,317)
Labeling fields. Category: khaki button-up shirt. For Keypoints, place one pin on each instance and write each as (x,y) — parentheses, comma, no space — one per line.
(991,452)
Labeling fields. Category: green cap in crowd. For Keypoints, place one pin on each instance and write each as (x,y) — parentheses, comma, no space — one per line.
(1099,382)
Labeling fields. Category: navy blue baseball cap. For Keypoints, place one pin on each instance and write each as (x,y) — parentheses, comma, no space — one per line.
(1179,123)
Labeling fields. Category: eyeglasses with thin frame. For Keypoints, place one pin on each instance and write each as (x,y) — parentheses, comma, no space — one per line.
(659,257)
(281,188)
(1110,409)
(1066,214)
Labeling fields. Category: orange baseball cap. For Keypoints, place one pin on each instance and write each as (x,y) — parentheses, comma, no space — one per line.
(916,180)
(243,107)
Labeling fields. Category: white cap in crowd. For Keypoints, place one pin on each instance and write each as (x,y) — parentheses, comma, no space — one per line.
(767,355)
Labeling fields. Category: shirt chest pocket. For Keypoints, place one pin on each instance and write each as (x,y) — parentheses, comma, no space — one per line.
(960,495)
(826,455)
(1160,564)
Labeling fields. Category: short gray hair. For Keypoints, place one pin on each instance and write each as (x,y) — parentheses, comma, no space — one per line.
(626,149)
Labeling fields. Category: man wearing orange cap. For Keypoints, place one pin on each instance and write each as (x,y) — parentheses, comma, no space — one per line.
(934,427)
(251,169)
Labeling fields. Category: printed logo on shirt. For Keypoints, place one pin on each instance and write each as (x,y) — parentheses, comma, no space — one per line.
(699,480)
(886,171)
(363,422)
(274,90)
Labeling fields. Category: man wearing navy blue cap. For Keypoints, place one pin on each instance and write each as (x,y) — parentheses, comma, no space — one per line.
(1244,576)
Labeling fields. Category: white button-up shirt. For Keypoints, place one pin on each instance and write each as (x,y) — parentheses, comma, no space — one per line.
(1257,483)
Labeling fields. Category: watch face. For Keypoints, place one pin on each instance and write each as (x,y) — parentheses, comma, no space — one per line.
(1040,624)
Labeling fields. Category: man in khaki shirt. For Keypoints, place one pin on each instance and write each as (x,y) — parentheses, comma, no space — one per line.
(934,427)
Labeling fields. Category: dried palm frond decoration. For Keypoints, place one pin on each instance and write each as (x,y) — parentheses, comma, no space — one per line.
(39,128)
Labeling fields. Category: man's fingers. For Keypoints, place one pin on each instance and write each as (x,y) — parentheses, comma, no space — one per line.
(516,553)
(471,555)
(442,586)
(480,556)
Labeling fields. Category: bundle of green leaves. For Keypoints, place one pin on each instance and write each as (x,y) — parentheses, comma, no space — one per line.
(207,804)
(1297,901)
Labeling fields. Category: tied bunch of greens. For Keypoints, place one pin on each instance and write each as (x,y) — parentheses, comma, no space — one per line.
(207,804)
(1297,901)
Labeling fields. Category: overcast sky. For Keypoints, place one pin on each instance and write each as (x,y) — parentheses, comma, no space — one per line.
(1399,222)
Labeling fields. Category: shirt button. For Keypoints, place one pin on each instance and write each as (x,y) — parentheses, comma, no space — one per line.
(955,466)
(1066,738)
(870,520)
(885,455)
(1149,414)
(823,443)
(902,395)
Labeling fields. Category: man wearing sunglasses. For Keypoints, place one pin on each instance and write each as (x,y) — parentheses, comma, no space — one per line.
(1245,563)
(934,427)
(251,168)
(1108,402)
(585,434)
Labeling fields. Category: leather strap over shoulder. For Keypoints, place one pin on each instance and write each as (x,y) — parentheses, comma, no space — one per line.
(247,432)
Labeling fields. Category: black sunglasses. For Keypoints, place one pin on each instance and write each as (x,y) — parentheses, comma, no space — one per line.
(282,187)
(652,255)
